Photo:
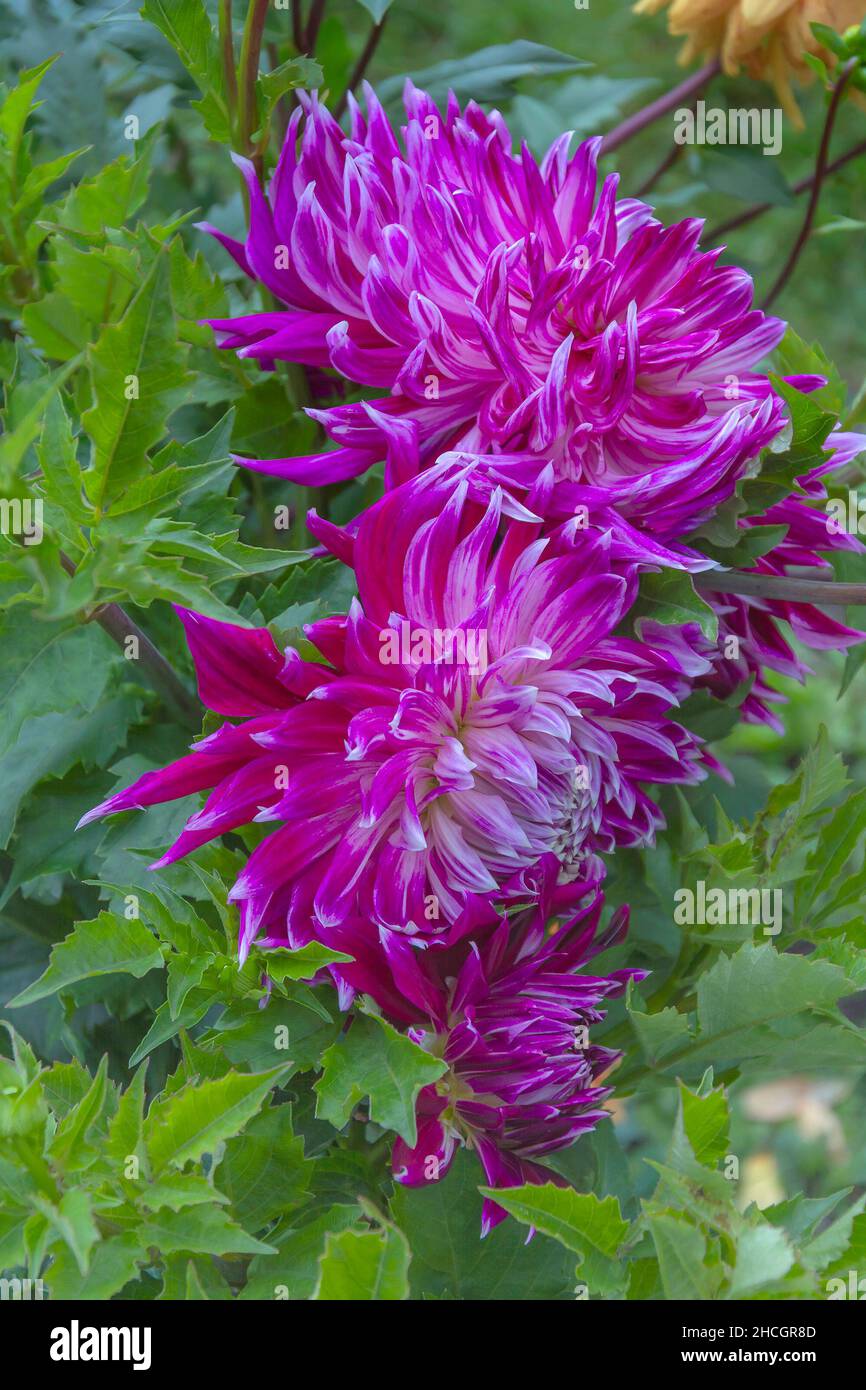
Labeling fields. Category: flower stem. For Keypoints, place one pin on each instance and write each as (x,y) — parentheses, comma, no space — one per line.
(316,11)
(742,218)
(820,172)
(297,26)
(677,96)
(781,586)
(227,49)
(360,68)
(251,48)
(160,674)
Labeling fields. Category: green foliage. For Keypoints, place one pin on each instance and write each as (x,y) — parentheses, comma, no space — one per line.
(172,1124)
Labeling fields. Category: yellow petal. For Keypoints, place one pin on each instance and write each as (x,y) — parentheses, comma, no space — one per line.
(762,12)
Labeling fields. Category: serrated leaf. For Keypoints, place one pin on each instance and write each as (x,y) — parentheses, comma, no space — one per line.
(763,1256)
(442,1223)
(198,1119)
(364,1266)
(299,1027)
(204,1230)
(138,373)
(264,1171)
(68,1148)
(294,1271)
(113,1263)
(705,1120)
(109,945)
(373,1059)
(580,1221)
(72,1219)
(302,963)
(186,25)
(842,834)
(179,1190)
(681,1249)
(126,1130)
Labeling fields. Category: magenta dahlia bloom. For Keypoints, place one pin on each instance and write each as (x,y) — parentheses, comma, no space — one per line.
(510,1012)
(471,714)
(503,306)
(761,645)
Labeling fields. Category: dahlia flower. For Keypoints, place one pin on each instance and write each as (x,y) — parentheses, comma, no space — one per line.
(471,714)
(510,1012)
(767,37)
(502,306)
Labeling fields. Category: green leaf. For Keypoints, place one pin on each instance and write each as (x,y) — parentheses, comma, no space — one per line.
(295,72)
(180,1190)
(68,1149)
(681,1249)
(42,177)
(199,1118)
(780,467)
(163,1027)
(578,1220)
(137,370)
(204,1230)
(364,1266)
(126,1130)
(487,76)
(300,964)
(746,1003)
(661,1032)
(17,106)
(670,597)
(57,454)
(299,1028)
(72,1219)
(109,197)
(108,945)
(838,839)
(763,1256)
(373,1059)
(442,1223)
(705,1121)
(50,745)
(294,1271)
(18,437)
(186,25)
(184,974)
(748,176)
(264,1171)
(113,1263)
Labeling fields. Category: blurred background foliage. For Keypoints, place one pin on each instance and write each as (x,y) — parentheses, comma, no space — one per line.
(807,1135)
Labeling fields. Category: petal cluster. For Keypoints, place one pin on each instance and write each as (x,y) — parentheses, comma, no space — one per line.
(503,306)
(569,392)
(471,714)
(768,38)
(510,1012)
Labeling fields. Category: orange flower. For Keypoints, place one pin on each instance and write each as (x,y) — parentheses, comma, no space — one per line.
(766,37)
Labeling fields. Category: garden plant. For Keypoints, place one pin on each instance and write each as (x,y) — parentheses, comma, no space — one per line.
(432,589)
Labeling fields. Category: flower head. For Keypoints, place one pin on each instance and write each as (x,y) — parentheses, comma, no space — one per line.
(769,38)
(503,306)
(472,714)
(510,1012)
